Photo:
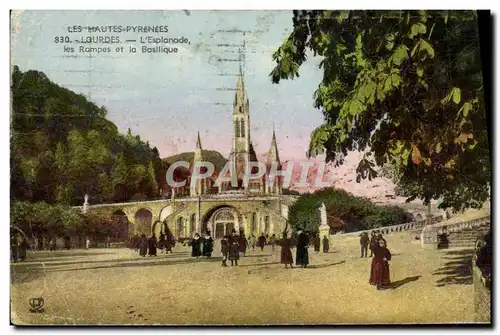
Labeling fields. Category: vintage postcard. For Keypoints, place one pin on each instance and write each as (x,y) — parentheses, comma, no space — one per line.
(295,167)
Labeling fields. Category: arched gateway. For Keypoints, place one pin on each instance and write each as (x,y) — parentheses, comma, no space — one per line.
(220,221)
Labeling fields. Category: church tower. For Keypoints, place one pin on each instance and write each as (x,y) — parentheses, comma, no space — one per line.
(241,126)
(274,158)
(200,186)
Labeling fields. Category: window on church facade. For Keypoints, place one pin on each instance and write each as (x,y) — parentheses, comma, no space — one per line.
(254,222)
(242,128)
(266,224)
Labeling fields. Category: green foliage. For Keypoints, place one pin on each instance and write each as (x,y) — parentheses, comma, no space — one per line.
(62,148)
(356,213)
(40,218)
(406,88)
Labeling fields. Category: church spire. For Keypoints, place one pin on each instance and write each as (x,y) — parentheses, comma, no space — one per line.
(272,154)
(198,142)
(198,153)
(240,97)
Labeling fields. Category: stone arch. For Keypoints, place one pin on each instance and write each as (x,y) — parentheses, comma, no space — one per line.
(220,220)
(143,221)
(122,226)
(165,212)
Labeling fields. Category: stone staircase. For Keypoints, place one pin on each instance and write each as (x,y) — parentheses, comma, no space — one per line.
(466,237)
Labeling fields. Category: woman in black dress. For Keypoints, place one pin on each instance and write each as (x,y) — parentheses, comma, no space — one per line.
(208,245)
(379,274)
(196,246)
(302,257)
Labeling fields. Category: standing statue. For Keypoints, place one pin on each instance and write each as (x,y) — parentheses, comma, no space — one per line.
(86,203)
(322,210)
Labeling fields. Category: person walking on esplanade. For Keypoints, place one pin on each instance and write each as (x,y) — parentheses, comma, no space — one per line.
(326,244)
(261,242)
(286,251)
(152,243)
(379,273)
(234,247)
(364,241)
(242,244)
(143,245)
(208,245)
(224,249)
(196,246)
(302,257)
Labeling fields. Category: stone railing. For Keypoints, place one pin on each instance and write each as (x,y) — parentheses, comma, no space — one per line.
(430,234)
(397,228)
(461,225)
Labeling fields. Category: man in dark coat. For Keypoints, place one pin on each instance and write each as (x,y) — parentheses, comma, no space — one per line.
(242,244)
(196,246)
(302,257)
(286,251)
(326,244)
(317,243)
(364,241)
(224,249)
(379,273)
(152,243)
(234,246)
(208,245)
(261,242)
(143,245)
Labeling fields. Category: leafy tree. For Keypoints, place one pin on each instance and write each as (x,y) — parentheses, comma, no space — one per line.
(405,87)
(355,212)
(62,147)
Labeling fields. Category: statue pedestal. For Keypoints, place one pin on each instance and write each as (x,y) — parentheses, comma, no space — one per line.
(429,237)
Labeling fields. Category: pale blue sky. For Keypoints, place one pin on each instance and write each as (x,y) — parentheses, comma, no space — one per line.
(166,99)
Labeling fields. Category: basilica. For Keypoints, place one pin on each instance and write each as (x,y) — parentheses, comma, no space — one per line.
(253,207)
(242,159)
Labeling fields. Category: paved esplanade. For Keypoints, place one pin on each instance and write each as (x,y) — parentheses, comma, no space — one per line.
(118,286)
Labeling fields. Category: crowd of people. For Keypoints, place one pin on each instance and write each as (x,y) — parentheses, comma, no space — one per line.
(233,246)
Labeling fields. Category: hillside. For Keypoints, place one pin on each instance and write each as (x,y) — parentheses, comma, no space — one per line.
(211,156)
(63,147)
